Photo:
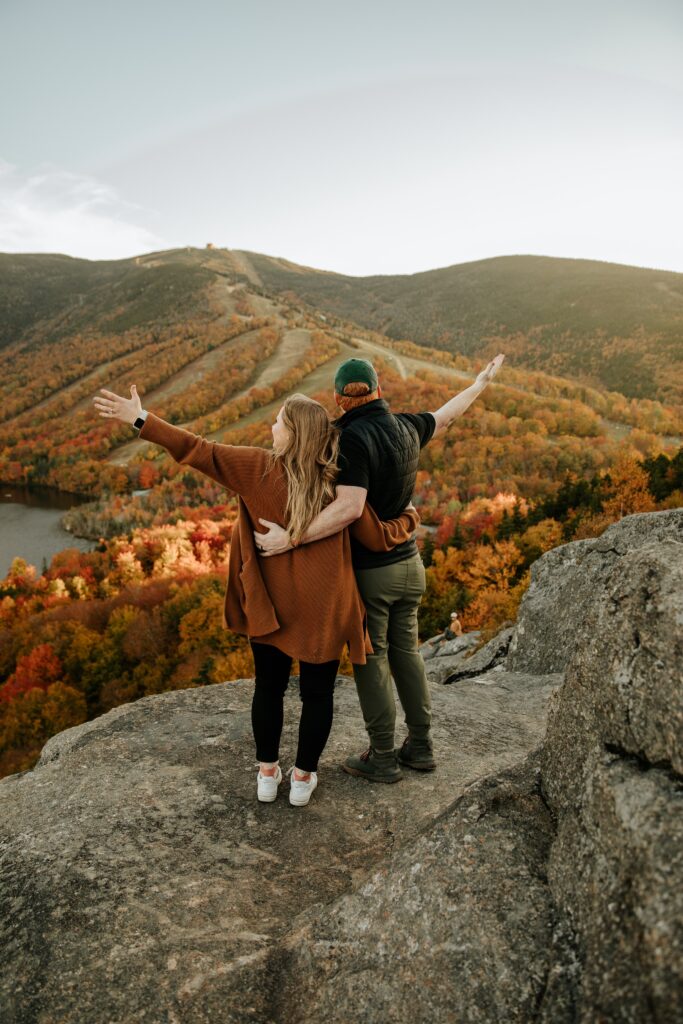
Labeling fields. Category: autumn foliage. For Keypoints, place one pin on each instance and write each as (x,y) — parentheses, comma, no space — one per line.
(537,463)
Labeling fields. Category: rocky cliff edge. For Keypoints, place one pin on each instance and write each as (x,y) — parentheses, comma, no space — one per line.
(537,875)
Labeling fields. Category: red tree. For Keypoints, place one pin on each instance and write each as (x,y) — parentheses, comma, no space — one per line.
(39,668)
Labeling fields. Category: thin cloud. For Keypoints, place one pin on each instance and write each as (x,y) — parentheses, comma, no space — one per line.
(53,210)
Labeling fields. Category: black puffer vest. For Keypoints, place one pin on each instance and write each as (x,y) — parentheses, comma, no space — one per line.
(393,448)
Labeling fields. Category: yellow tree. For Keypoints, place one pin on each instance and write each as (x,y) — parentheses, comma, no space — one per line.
(539,538)
(490,565)
(629,489)
(628,494)
(63,707)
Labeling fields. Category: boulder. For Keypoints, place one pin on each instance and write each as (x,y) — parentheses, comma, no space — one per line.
(457,926)
(447,648)
(491,655)
(536,877)
(567,580)
(429,648)
(449,656)
(459,644)
(142,880)
(438,670)
(612,773)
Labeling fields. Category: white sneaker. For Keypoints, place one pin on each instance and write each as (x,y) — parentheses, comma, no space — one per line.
(266,785)
(300,789)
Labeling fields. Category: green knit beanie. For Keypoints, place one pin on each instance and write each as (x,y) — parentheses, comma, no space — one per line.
(355,371)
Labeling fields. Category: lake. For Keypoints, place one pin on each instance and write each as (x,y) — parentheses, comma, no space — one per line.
(29,525)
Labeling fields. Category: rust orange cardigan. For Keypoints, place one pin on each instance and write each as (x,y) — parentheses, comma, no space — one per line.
(305,601)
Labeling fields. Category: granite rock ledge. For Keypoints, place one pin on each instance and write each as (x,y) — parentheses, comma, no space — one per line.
(537,875)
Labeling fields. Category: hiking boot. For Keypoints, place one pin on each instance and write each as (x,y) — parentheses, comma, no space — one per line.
(417,754)
(377,766)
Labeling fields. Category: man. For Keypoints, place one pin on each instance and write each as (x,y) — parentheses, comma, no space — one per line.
(452,630)
(379,454)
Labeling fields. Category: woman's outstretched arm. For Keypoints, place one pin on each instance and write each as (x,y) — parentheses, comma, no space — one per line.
(236,467)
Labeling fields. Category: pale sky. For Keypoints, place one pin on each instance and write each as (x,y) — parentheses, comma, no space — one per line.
(363,137)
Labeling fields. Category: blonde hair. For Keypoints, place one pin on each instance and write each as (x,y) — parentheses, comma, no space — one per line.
(309,459)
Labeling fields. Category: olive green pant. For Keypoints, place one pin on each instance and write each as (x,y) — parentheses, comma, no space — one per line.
(392,595)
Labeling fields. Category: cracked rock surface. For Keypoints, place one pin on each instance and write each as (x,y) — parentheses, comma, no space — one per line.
(568,580)
(142,880)
(612,768)
(536,875)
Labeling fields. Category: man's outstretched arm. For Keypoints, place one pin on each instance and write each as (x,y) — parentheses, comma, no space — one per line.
(344,510)
(457,405)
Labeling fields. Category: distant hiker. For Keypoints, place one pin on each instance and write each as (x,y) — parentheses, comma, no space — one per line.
(379,459)
(305,605)
(453,629)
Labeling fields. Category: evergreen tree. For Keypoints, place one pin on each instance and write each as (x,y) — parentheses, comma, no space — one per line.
(535,515)
(594,500)
(518,520)
(504,526)
(665,474)
(458,540)
(428,551)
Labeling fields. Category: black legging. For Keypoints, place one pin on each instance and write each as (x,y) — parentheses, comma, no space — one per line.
(316,688)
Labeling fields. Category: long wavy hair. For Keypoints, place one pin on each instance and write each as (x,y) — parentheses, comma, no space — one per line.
(310,461)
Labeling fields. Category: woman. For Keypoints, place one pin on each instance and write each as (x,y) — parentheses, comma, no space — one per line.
(304,604)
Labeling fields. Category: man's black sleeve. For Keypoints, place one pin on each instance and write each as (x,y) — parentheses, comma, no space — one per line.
(424,423)
(354,464)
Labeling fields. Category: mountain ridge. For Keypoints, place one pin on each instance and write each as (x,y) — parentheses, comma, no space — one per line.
(602,324)
(613,324)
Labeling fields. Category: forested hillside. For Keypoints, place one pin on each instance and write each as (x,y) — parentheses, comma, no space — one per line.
(613,326)
(537,460)
(45,298)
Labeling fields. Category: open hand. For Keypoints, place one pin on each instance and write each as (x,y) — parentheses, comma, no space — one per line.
(114,407)
(490,371)
(274,542)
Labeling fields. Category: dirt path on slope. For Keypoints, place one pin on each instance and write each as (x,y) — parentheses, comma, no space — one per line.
(398,361)
(320,379)
(77,383)
(243,265)
(406,363)
(613,429)
(288,353)
(178,382)
(286,356)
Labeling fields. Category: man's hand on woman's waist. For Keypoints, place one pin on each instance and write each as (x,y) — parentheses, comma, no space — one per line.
(344,510)
(275,541)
